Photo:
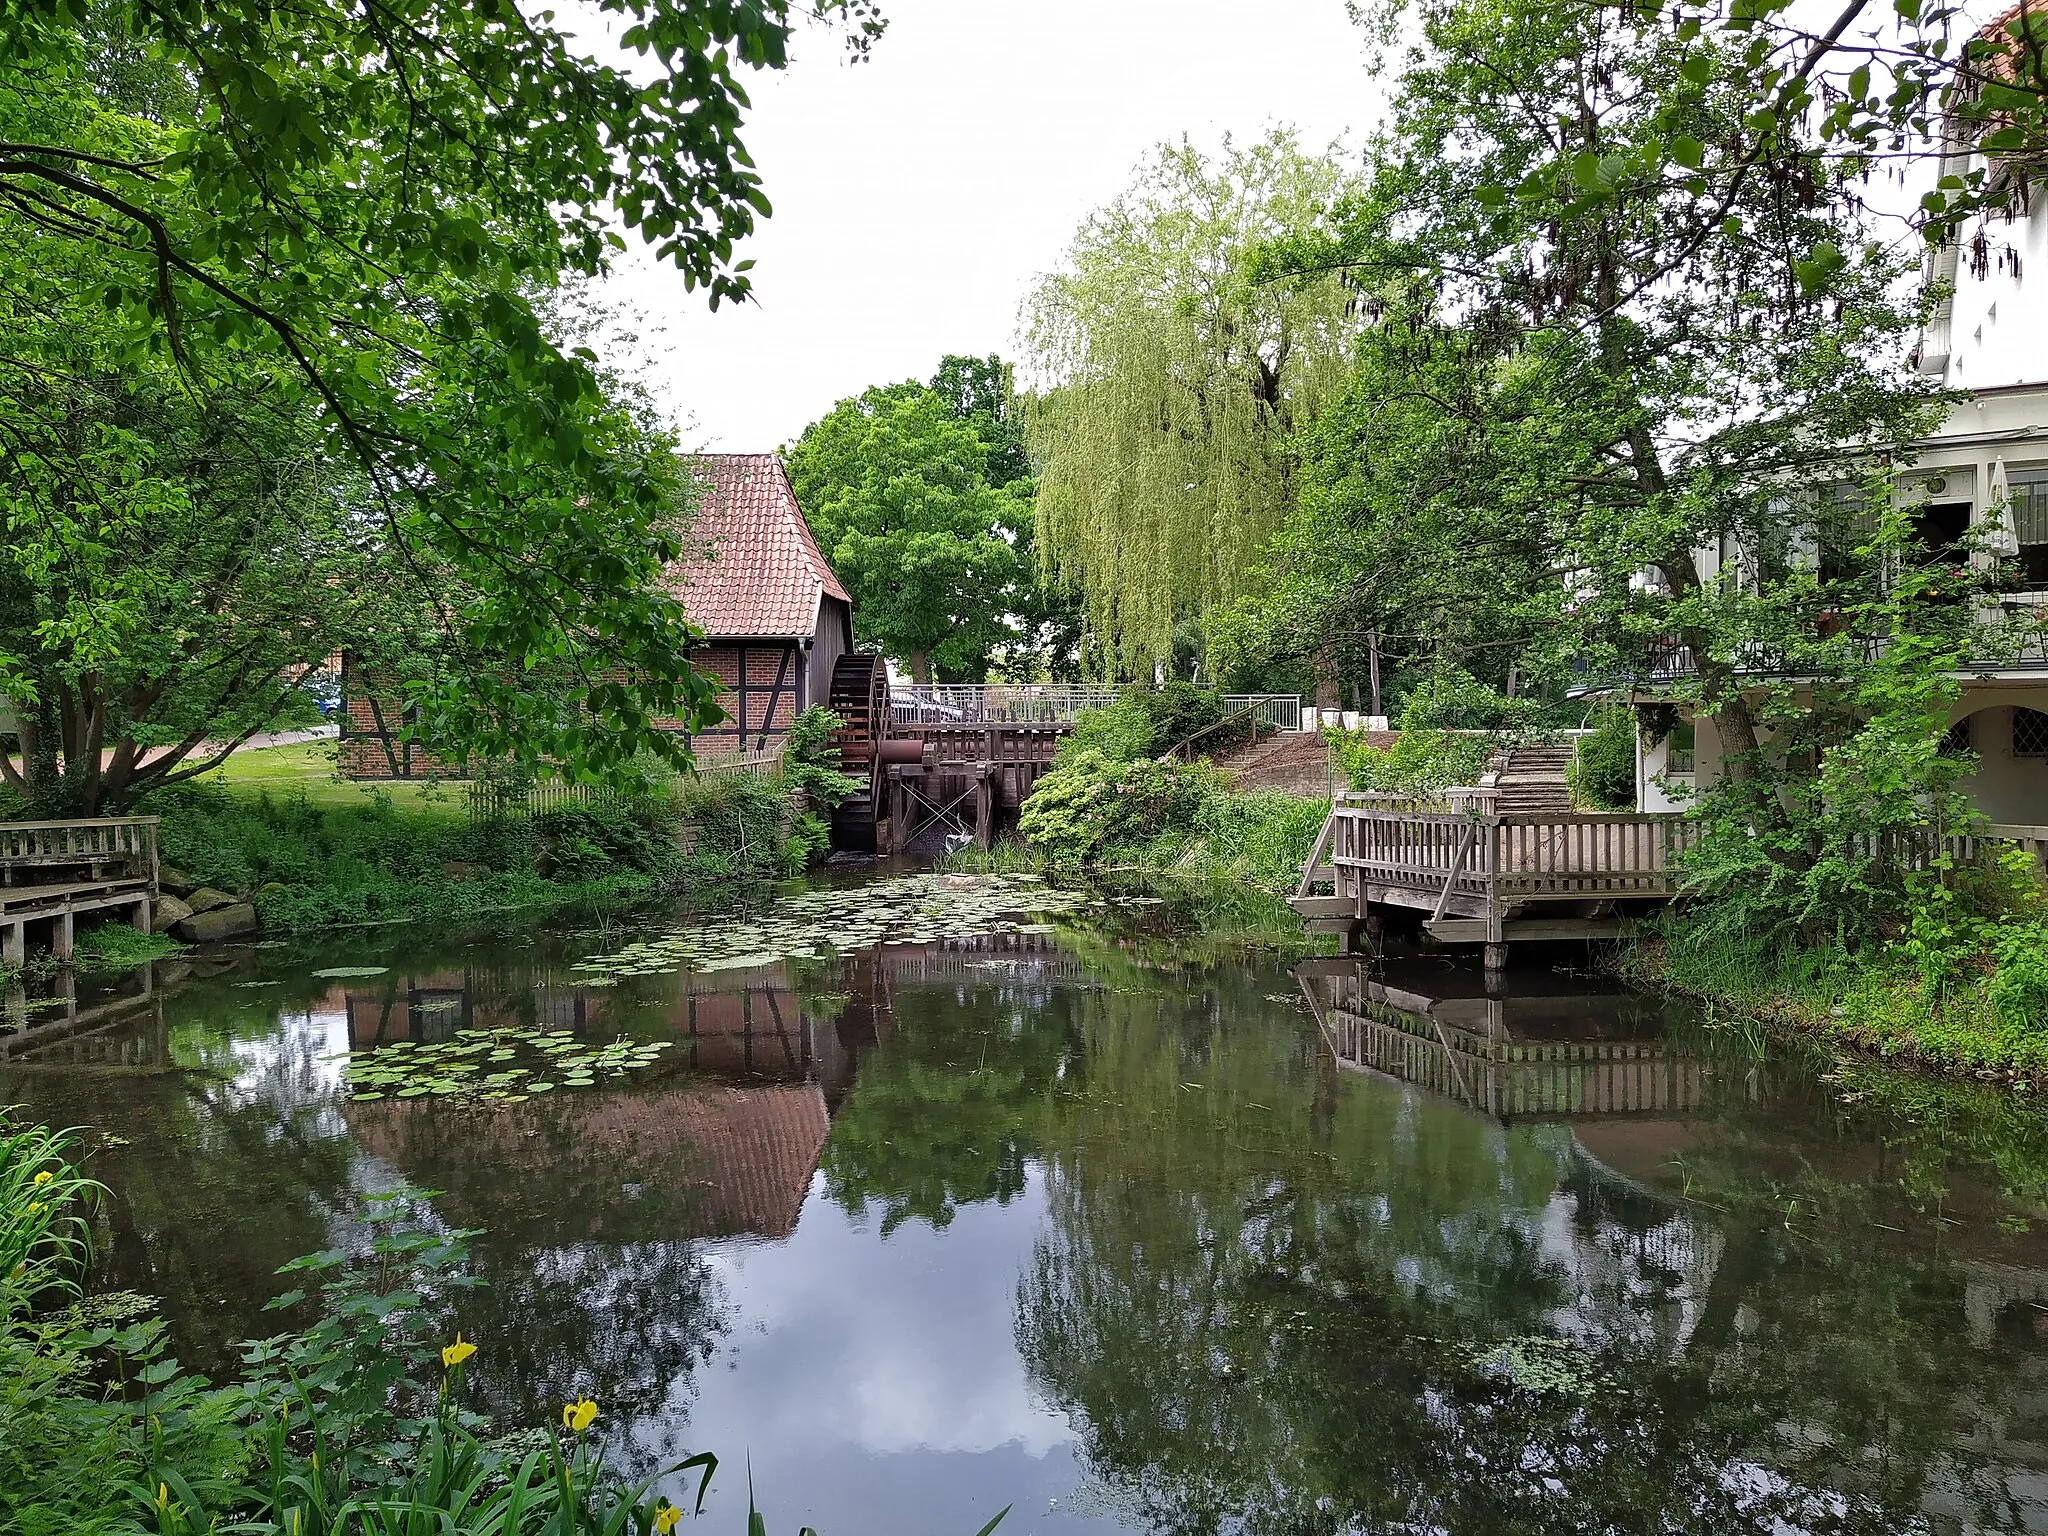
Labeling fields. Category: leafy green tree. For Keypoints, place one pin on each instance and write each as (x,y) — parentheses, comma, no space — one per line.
(359,202)
(896,484)
(1170,379)
(1648,423)
(1049,617)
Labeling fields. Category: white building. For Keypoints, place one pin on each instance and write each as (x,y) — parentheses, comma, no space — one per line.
(1988,464)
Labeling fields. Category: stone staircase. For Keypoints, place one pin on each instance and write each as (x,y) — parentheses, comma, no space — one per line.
(1531,781)
(1295,761)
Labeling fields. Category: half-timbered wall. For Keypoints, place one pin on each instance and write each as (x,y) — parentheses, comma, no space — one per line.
(765,686)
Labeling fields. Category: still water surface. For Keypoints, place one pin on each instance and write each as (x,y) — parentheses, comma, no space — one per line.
(1133,1229)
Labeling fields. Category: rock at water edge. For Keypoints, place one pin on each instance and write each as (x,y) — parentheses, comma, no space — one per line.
(217,923)
(169,912)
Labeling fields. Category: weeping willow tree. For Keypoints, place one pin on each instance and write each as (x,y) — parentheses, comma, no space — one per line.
(1170,377)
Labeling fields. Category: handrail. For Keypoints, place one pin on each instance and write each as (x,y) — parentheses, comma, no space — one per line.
(1177,748)
(83,821)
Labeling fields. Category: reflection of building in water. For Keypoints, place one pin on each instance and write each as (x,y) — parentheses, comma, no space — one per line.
(732,1023)
(1541,1056)
(109,1029)
(696,1160)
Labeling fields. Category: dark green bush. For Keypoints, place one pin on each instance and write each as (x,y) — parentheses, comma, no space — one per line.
(1603,770)
(1147,721)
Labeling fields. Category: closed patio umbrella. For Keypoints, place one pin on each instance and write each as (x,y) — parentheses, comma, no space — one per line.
(2004,539)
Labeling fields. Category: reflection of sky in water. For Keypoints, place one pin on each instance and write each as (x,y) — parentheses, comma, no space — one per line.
(878,1384)
(861,1367)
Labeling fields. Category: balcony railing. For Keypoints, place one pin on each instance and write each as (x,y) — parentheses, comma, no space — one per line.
(2015,639)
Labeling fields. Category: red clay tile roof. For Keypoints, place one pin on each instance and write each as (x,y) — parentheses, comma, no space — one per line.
(754,570)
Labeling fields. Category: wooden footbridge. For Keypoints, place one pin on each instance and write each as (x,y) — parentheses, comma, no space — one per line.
(1567,1056)
(51,872)
(1478,875)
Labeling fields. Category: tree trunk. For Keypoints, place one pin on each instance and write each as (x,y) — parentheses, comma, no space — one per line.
(920,667)
(1373,663)
(1326,677)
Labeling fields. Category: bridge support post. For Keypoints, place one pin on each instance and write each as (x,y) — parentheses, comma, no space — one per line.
(140,916)
(14,944)
(61,935)
(1496,960)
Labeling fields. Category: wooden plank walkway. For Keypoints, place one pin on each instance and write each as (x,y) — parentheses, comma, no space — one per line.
(55,871)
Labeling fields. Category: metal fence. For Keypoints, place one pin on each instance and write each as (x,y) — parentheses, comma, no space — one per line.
(1051,704)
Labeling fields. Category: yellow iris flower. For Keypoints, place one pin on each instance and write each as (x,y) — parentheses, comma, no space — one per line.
(579,1415)
(665,1518)
(43,1178)
(456,1353)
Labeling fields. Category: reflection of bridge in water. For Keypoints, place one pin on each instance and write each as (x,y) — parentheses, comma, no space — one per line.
(1564,1055)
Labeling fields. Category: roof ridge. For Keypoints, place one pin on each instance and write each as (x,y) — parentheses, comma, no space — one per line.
(757,569)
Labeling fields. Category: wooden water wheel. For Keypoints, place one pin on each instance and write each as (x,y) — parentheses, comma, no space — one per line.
(860,698)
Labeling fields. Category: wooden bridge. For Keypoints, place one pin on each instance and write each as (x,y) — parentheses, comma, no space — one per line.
(968,781)
(1562,1057)
(1483,877)
(53,871)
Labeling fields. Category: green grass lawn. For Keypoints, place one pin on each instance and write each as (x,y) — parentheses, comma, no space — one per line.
(308,768)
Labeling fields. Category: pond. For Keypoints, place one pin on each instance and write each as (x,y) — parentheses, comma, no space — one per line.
(924,1200)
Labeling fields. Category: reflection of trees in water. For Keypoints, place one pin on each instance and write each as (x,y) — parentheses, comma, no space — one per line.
(629,1324)
(948,1109)
(218,1173)
(1279,1303)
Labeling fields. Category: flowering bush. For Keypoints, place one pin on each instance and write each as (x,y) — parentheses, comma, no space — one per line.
(1092,801)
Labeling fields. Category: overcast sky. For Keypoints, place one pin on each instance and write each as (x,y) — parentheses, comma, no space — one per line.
(917,195)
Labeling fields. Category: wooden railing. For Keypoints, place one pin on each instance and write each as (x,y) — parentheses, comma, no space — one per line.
(1052,704)
(126,840)
(1456,846)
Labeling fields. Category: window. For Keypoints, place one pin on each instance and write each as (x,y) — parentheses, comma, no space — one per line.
(1678,756)
(2029,733)
(1843,521)
(2027,493)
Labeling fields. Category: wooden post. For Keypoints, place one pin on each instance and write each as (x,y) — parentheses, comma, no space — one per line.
(61,935)
(985,810)
(141,914)
(14,946)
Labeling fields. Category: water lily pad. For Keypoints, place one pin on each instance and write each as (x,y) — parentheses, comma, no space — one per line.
(351,972)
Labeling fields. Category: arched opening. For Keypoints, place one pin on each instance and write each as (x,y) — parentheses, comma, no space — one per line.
(2009,783)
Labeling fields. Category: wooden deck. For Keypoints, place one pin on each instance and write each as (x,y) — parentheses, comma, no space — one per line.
(1485,878)
(54,871)
(1480,877)
(1474,1053)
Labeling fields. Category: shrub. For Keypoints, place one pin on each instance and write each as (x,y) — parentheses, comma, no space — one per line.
(1146,721)
(1091,801)
(1121,732)
(1603,770)
(1420,762)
